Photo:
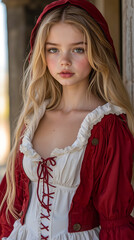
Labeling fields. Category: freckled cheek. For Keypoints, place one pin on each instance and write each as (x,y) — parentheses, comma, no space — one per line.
(51,63)
(84,65)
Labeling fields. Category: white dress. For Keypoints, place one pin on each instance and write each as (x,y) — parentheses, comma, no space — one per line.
(50,201)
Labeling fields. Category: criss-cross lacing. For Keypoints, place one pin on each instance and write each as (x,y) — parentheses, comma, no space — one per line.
(44,172)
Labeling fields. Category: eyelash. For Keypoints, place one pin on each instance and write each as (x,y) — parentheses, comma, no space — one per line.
(75,50)
(79,50)
(52,50)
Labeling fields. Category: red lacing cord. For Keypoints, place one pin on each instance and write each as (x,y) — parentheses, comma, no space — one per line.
(43,173)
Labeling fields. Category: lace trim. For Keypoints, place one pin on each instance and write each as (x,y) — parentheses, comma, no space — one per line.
(44,172)
(87,125)
(83,134)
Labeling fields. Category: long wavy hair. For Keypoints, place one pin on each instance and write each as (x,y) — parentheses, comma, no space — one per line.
(38,84)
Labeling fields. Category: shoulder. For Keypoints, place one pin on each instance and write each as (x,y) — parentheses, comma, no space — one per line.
(116,126)
(109,116)
(107,121)
(113,128)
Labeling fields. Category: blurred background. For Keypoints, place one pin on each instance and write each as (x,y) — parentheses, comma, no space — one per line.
(4,90)
(17,19)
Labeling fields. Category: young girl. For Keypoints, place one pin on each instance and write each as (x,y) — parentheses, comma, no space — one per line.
(69,173)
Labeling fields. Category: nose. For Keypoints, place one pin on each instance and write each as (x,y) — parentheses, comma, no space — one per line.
(65,60)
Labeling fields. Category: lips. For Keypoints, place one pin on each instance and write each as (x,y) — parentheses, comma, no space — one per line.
(66,74)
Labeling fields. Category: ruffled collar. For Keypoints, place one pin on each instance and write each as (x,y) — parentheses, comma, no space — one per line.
(83,135)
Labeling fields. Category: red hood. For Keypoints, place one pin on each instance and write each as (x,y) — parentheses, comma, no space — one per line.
(84,4)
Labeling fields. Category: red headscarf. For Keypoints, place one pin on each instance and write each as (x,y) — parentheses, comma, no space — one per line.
(88,7)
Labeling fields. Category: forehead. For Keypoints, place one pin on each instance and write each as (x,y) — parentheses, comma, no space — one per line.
(64,32)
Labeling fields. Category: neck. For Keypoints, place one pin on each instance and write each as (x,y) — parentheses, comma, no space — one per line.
(75,98)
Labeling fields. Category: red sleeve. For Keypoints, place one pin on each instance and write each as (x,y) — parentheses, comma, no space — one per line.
(2,193)
(5,226)
(114,195)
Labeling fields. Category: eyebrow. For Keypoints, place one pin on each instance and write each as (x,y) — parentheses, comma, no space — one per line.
(55,44)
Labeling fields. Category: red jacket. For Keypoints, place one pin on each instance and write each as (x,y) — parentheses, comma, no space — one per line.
(105,195)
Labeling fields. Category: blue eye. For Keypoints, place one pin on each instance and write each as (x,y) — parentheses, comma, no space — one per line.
(52,50)
(79,50)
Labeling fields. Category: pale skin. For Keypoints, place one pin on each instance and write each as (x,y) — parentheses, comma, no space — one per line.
(68,63)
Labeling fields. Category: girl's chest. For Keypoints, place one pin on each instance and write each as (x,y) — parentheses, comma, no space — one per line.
(56,131)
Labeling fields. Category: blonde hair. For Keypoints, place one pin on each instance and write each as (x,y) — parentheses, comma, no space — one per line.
(38,84)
